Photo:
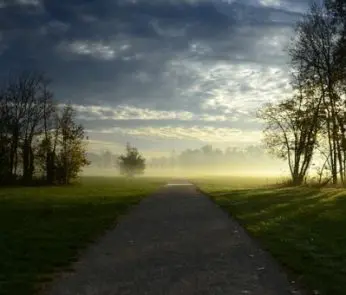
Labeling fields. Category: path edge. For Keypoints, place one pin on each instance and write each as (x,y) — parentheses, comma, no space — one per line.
(300,287)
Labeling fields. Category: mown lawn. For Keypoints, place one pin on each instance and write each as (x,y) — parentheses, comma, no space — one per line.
(43,229)
(304,228)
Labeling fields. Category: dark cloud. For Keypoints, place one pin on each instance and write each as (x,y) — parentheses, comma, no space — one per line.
(166,55)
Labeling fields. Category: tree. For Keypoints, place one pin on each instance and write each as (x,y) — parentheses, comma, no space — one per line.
(5,139)
(317,55)
(337,9)
(71,154)
(107,159)
(316,116)
(35,137)
(132,163)
(24,102)
(290,132)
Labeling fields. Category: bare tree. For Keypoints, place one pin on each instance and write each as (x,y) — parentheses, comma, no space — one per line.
(5,139)
(290,132)
(33,134)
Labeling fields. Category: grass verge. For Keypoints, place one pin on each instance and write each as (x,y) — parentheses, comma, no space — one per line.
(43,229)
(303,228)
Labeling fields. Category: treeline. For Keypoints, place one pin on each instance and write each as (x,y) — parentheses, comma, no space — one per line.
(206,156)
(105,159)
(209,157)
(308,129)
(40,140)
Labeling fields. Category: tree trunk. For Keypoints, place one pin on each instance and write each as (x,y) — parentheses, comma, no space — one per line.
(28,162)
(50,169)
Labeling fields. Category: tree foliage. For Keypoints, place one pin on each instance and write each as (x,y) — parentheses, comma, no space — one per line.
(71,153)
(37,139)
(132,162)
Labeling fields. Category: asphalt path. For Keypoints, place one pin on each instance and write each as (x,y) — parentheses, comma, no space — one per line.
(176,241)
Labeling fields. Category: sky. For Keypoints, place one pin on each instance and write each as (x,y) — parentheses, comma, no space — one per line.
(160,74)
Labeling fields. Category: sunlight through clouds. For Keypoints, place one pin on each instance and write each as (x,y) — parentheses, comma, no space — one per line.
(176,69)
(235,87)
(202,134)
(133,113)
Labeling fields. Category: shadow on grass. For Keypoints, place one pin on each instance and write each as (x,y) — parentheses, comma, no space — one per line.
(38,240)
(43,229)
(304,228)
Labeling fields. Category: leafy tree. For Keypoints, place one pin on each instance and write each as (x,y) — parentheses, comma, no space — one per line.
(71,156)
(132,163)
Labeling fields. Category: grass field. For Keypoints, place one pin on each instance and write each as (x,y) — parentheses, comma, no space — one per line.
(42,229)
(304,228)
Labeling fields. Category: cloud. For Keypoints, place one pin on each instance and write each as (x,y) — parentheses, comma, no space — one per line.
(202,134)
(227,87)
(101,145)
(99,118)
(7,3)
(124,112)
(274,3)
(95,49)
(29,2)
(163,64)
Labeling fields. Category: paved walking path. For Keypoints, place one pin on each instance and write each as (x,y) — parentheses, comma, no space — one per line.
(175,242)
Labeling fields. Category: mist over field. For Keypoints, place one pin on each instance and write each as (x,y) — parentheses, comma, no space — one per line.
(195,172)
(251,161)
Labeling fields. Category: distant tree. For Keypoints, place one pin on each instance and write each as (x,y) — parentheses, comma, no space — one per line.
(207,157)
(107,159)
(132,163)
(94,159)
(207,150)
(115,161)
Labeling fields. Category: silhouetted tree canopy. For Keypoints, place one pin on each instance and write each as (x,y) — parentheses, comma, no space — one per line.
(313,121)
(38,139)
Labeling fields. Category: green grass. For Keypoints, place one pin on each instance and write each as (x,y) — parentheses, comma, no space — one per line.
(43,229)
(304,228)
